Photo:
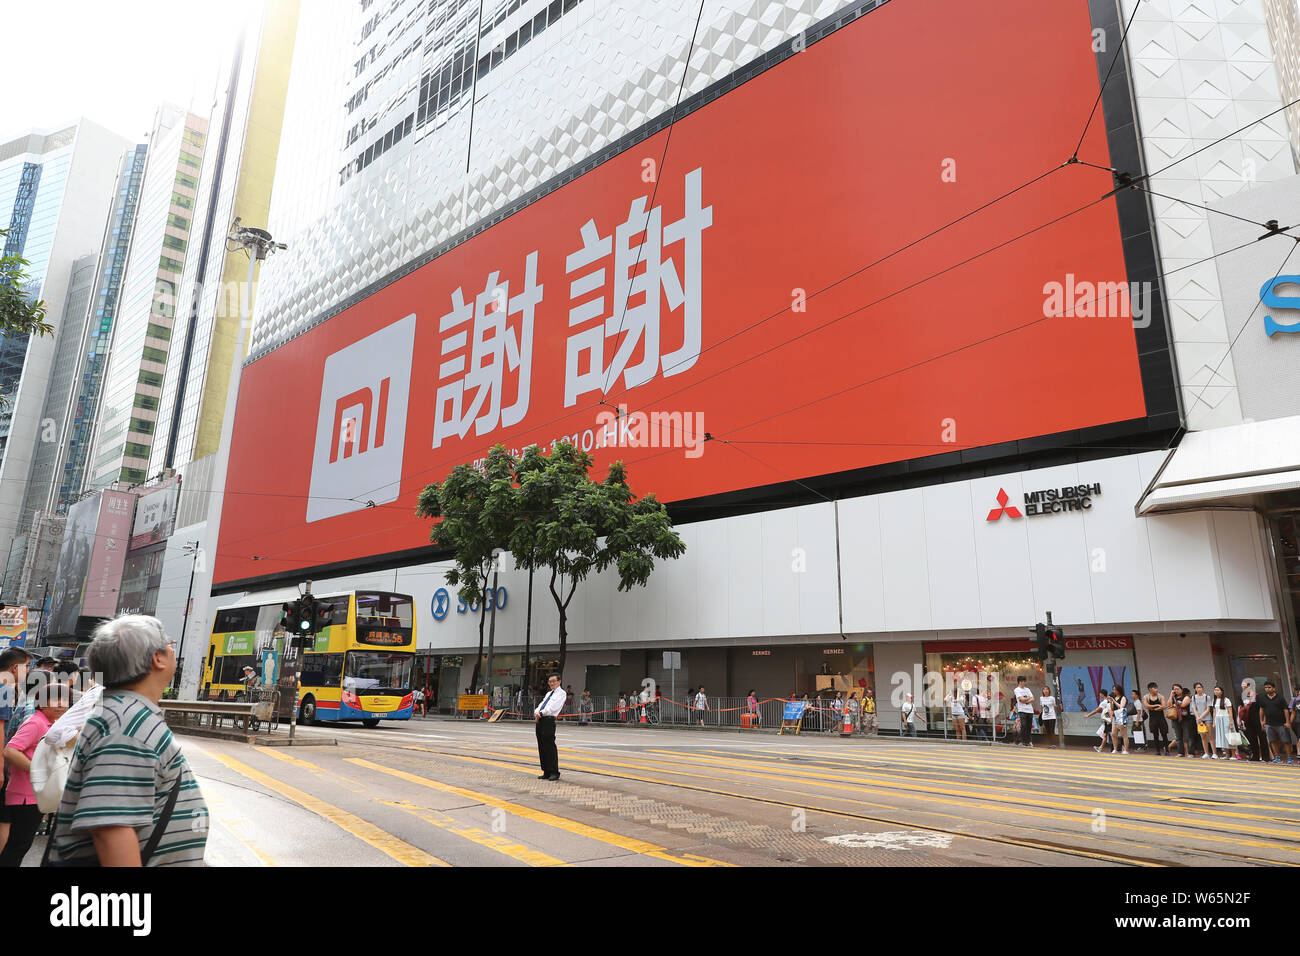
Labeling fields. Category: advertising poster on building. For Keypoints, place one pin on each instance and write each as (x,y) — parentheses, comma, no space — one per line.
(562,322)
(108,554)
(154,514)
(92,559)
(13,626)
(141,578)
(74,565)
(1092,666)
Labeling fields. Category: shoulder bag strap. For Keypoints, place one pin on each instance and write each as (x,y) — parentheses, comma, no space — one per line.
(161,826)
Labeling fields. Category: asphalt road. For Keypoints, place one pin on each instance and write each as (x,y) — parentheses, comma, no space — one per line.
(435,792)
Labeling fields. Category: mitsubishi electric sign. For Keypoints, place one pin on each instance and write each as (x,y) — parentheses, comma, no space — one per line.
(1049,501)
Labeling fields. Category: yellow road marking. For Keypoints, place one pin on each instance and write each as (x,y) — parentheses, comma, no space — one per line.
(490,840)
(363,830)
(539,816)
(1056,765)
(864,803)
(1062,801)
(439,819)
(995,808)
(219,809)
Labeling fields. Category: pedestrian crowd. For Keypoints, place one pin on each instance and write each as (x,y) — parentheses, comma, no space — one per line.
(1189,722)
(95,760)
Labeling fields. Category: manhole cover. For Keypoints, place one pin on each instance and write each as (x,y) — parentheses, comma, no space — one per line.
(892,840)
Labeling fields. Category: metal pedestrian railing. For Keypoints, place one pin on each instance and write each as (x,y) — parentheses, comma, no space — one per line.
(821,716)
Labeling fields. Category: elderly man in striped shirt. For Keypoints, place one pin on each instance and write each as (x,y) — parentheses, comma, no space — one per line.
(131,799)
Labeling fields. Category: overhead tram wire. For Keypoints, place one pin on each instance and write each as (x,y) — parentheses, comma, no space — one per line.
(899,371)
(942,355)
(604,402)
(1129,182)
(857,272)
(460,458)
(862,308)
(1245,325)
(1217,212)
(1146,177)
(1126,181)
(1115,59)
(659,174)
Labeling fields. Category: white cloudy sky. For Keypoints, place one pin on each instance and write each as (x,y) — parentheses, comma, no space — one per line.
(114,61)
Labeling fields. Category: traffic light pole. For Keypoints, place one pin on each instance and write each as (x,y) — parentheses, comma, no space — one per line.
(1056,689)
(297,673)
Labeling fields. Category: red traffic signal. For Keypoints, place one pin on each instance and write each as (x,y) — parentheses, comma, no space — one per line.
(1056,642)
(292,620)
(323,616)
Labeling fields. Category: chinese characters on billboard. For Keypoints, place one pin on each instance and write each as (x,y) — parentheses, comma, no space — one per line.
(744,277)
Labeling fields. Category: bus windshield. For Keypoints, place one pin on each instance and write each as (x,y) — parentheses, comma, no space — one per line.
(383,610)
(377,670)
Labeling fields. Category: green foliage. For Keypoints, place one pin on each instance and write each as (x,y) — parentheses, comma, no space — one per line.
(18,314)
(548,512)
(476,509)
(574,526)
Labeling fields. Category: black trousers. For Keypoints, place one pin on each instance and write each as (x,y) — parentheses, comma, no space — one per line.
(547,755)
(24,821)
(1157,731)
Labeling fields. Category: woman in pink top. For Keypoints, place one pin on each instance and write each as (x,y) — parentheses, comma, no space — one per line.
(19,796)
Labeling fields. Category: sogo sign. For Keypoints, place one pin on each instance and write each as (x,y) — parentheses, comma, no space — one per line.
(642,282)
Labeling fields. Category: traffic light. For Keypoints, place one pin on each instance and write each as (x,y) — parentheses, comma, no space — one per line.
(1056,642)
(292,617)
(323,616)
(1041,632)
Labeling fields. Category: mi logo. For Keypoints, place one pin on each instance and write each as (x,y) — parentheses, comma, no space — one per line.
(361,425)
(346,428)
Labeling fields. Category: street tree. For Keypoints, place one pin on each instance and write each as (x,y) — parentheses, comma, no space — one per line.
(572,526)
(475,509)
(19,314)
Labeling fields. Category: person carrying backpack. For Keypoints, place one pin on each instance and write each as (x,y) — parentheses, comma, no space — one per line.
(24,813)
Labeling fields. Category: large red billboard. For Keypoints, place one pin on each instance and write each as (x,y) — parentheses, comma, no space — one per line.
(747,284)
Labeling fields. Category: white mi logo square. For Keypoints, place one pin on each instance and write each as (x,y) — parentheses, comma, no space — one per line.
(361,426)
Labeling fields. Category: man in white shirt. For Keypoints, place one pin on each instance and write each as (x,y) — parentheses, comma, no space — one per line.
(701,705)
(550,708)
(909,716)
(1024,709)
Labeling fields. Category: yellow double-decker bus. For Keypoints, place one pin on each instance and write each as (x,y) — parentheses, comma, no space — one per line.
(358,669)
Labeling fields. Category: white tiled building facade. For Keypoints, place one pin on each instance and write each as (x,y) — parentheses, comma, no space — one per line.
(359,195)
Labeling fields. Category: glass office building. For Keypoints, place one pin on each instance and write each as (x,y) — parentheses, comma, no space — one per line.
(142,333)
(55,195)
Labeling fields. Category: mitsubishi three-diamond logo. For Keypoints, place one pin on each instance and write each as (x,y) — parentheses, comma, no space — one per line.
(1011,511)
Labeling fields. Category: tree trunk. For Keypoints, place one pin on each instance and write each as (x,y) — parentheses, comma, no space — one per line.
(528,637)
(478,661)
(564,636)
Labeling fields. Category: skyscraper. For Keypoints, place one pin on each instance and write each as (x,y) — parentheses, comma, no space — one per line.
(143,330)
(55,192)
(236,181)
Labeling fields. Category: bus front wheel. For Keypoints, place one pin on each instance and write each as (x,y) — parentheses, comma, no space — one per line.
(308,713)
(370,723)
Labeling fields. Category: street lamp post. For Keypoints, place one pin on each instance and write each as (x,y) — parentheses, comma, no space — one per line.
(45,593)
(191,548)
(257,243)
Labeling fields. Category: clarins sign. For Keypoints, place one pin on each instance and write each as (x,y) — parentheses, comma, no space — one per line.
(1098,643)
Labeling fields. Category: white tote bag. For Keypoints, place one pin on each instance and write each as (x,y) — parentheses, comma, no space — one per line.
(50,775)
(1139,737)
